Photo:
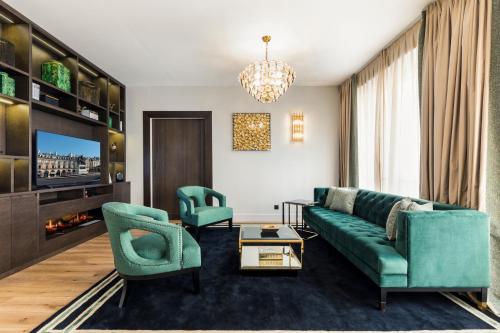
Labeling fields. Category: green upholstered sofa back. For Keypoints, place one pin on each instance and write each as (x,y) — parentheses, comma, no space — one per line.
(375,206)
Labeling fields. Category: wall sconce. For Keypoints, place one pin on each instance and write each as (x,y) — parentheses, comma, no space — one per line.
(297,127)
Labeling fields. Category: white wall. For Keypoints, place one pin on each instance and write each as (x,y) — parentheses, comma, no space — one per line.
(252,181)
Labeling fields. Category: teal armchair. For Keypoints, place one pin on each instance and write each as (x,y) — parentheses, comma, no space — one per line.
(194,211)
(167,249)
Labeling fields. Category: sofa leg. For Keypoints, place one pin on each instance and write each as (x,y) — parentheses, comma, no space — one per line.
(196,281)
(483,299)
(383,299)
(230,224)
(124,295)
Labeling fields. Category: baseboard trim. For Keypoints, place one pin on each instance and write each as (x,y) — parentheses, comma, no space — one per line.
(250,218)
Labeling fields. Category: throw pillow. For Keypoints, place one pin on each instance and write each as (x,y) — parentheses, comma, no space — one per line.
(425,207)
(390,225)
(404,204)
(329,197)
(343,200)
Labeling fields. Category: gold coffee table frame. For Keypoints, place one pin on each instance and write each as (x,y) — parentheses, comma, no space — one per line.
(249,250)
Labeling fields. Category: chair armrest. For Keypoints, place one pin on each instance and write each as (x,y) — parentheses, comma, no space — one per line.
(170,232)
(221,197)
(186,206)
(445,248)
(156,214)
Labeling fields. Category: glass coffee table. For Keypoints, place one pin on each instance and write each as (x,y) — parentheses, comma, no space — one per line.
(263,251)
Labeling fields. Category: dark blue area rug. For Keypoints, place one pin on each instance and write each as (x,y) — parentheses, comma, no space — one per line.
(329,293)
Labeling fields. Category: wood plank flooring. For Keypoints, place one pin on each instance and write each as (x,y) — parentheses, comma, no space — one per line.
(30,296)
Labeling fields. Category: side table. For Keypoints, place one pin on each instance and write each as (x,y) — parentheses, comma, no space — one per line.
(297,203)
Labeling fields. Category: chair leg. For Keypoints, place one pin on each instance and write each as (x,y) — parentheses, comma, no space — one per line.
(383,299)
(124,295)
(196,281)
(230,224)
(197,234)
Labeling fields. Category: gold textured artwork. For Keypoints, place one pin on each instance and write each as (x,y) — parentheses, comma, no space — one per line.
(251,131)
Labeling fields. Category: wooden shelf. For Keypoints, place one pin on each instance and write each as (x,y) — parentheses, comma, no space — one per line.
(51,86)
(67,188)
(13,68)
(80,100)
(14,157)
(42,106)
(14,100)
(26,206)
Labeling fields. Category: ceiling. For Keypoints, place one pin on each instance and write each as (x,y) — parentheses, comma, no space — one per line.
(208,42)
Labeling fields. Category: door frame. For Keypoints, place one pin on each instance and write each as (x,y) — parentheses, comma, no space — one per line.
(148,117)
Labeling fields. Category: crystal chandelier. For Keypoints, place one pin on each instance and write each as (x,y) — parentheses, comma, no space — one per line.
(267,80)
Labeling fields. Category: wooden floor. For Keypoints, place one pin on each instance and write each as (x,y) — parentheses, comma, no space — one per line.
(29,297)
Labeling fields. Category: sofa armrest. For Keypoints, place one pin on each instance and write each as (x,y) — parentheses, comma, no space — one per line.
(320,194)
(445,248)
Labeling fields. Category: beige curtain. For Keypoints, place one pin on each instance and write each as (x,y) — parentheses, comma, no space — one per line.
(345,91)
(388,108)
(455,75)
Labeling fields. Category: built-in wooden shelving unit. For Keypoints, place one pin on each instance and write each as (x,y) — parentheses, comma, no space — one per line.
(25,209)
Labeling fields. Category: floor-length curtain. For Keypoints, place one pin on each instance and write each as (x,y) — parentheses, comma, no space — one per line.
(401,136)
(455,70)
(345,92)
(348,162)
(367,114)
(388,109)
(493,165)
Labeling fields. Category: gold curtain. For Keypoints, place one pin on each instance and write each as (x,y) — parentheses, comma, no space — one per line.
(454,105)
(345,91)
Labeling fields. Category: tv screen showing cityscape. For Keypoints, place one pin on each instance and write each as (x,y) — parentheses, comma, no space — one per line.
(63,160)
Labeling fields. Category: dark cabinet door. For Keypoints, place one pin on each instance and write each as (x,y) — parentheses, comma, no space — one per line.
(24,229)
(5,234)
(121,192)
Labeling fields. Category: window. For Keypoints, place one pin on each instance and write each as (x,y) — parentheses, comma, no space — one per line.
(389,122)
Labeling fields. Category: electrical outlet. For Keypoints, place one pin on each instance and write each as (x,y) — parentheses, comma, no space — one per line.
(276,207)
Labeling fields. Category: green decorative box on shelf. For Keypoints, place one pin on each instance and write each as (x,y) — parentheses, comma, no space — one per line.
(7,85)
(57,74)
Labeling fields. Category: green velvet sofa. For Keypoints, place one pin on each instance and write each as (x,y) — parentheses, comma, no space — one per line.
(443,250)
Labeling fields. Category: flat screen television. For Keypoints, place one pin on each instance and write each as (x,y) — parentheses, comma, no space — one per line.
(63,160)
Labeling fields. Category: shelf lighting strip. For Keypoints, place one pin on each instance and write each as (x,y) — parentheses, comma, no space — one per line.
(52,47)
(88,70)
(6,101)
(6,18)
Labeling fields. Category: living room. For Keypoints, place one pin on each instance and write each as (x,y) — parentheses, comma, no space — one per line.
(249,166)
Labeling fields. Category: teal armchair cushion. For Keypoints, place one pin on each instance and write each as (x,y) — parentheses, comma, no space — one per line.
(167,247)
(194,209)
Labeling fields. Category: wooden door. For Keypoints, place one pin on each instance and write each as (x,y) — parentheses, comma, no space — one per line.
(5,234)
(180,155)
(24,229)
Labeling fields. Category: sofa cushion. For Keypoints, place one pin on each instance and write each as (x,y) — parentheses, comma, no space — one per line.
(329,196)
(365,240)
(343,200)
(374,206)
